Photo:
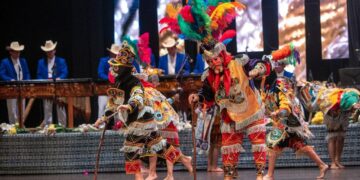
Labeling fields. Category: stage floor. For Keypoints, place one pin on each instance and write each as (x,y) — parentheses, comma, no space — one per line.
(350,173)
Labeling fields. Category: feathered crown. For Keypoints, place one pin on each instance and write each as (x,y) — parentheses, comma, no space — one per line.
(286,55)
(206,22)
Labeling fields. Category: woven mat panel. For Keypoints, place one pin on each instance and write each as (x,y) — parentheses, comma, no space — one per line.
(76,152)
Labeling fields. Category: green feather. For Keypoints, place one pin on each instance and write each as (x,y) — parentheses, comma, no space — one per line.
(131,43)
(216,2)
(201,27)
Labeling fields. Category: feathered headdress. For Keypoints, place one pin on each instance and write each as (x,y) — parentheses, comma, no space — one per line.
(286,55)
(206,22)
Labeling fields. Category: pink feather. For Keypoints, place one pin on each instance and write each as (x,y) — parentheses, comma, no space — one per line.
(228,34)
(186,14)
(143,48)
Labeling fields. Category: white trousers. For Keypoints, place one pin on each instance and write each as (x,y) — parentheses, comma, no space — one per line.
(102,101)
(61,113)
(13,111)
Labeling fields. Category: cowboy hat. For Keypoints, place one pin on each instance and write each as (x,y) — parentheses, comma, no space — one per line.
(169,42)
(49,46)
(115,48)
(15,46)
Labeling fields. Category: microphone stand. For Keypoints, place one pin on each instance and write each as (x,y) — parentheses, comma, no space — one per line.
(181,70)
(19,99)
(54,104)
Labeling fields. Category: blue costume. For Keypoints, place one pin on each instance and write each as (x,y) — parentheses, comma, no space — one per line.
(199,65)
(61,70)
(8,73)
(163,64)
(7,70)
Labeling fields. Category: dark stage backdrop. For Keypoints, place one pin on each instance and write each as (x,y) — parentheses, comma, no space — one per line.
(82,28)
(85,28)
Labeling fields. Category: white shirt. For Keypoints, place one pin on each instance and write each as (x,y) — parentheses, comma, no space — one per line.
(51,63)
(171,64)
(18,69)
(205,65)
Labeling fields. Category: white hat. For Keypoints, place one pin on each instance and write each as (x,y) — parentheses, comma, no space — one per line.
(15,46)
(169,42)
(115,48)
(49,46)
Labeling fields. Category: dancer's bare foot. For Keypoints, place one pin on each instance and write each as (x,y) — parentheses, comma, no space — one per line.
(144,170)
(259,177)
(228,178)
(323,169)
(267,177)
(216,169)
(339,165)
(138,176)
(186,160)
(334,166)
(169,177)
(151,176)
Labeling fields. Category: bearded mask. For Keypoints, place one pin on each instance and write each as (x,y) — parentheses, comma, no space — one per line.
(216,64)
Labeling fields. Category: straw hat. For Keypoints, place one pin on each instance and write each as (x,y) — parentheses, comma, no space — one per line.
(49,46)
(15,46)
(115,48)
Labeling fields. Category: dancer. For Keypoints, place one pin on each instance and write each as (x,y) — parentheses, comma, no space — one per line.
(284,108)
(164,114)
(337,105)
(226,82)
(136,119)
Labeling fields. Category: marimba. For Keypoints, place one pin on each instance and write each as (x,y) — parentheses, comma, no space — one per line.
(70,88)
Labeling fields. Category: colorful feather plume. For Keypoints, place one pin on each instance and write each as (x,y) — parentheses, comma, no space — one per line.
(227,36)
(193,20)
(172,25)
(287,54)
(224,14)
(170,20)
(144,49)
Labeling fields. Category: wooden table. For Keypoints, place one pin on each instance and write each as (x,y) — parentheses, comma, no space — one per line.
(70,88)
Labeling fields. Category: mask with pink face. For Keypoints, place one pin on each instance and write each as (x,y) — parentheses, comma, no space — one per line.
(216,64)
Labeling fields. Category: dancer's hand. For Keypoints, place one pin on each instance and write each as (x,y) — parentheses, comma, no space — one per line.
(193,98)
(99,121)
(254,73)
(356,106)
(123,108)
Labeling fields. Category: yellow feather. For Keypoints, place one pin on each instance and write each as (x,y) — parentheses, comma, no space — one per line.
(172,11)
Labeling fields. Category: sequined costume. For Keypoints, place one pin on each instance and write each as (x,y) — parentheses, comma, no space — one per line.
(140,127)
(289,128)
(335,103)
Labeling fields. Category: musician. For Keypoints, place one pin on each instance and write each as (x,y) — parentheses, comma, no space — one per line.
(14,68)
(55,68)
(172,62)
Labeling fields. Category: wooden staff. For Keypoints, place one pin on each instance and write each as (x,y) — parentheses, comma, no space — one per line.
(193,124)
(105,120)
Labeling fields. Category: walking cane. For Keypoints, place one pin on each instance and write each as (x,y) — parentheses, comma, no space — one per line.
(193,124)
(101,143)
